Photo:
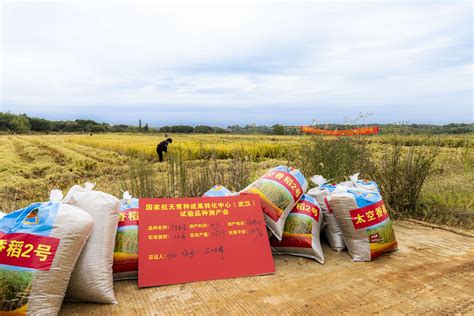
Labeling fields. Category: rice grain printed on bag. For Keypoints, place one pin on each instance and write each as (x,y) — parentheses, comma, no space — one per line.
(365,222)
(126,241)
(302,231)
(92,278)
(219,191)
(332,231)
(279,190)
(39,246)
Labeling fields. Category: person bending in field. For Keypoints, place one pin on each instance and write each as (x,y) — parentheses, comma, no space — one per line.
(163,148)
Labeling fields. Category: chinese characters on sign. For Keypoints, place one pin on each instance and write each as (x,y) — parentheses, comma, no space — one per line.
(27,250)
(194,239)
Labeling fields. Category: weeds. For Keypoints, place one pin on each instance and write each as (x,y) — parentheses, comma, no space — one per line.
(335,159)
(140,179)
(191,178)
(401,172)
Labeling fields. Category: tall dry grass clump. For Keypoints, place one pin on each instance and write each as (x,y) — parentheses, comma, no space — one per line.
(185,177)
(141,178)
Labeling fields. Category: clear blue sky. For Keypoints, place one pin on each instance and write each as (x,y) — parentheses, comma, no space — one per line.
(243,63)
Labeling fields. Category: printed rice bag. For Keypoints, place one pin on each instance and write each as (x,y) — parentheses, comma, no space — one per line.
(126,241)
(219,191)
(92,278)
(302,231)
(279,190)
(363,184)
(332,230)
(39,246)
(365,222)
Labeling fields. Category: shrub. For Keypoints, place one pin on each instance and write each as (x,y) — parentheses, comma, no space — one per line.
(335,158)
(401,172)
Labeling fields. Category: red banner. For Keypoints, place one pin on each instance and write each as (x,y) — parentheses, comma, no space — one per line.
(371,130)
(369,215)
(128,217)
(195,239)
(307,208)
(28,250)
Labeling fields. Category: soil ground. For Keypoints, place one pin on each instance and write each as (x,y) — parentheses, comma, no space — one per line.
(431,273)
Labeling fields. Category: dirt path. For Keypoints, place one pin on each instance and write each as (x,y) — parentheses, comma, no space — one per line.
(432,273)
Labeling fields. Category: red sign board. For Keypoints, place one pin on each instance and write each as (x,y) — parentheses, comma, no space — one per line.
(194,239)
(28,250)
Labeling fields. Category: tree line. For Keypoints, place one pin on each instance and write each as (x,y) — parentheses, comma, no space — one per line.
(22,123)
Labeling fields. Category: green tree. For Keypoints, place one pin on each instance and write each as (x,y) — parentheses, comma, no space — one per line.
(165,129)
(182,129)
(278,129)
(203,129)
(39,125)
(20,124)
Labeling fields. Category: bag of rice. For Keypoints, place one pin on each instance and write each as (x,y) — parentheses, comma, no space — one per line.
(332,230)
(92,278)
(302,231)
(279,190)
(219,191)
(363,184)
(365,222)
(39,246)
(126,241)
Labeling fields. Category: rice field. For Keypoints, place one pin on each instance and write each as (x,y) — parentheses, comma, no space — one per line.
(32,165)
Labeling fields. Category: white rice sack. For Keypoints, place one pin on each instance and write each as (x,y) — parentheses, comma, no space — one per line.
(279,190)
(39,246)
(92,279)
(126,241)
(365,222)
(219,191)
(363,184)
(332,229)
(302,231)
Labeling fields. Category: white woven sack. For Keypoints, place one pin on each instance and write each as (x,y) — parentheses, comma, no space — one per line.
(92,278)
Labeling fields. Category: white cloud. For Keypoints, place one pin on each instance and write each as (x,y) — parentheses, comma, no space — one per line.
(242,56)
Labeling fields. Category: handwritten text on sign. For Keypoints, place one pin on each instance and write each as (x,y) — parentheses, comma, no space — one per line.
(195,239)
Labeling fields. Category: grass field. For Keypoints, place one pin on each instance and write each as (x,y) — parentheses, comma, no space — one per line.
(32,165)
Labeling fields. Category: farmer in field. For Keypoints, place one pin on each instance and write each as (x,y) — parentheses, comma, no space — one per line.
(163,147)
